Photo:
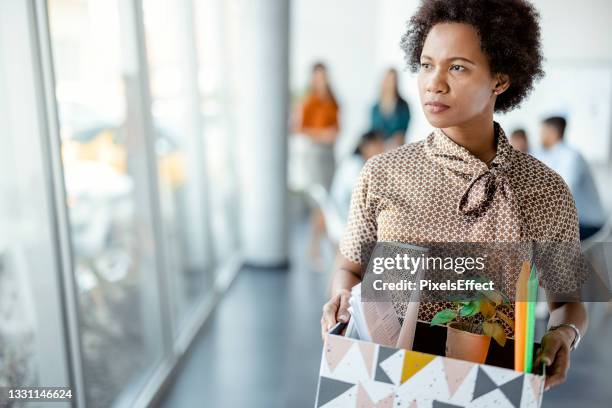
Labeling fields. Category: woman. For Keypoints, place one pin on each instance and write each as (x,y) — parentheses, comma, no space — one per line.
(317,120)
(390,114)
(465,182)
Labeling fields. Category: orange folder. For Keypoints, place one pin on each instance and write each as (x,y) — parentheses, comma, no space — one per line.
(520,317)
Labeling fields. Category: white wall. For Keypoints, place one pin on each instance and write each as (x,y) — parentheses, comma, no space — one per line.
(576,30)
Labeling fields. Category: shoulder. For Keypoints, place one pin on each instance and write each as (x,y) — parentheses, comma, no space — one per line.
(308,100)
(543,195)
(402,103)
(574,155)
(399,154)
(393,162)
(535,176)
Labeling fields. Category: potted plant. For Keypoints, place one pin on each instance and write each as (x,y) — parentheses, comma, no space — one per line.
(468,340)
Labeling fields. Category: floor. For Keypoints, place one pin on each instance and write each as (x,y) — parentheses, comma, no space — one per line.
(262,347)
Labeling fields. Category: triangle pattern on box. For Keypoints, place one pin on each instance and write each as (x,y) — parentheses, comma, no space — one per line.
(513,390)
(536,386)
(335,349)
(455,372)
(438,404)
(364,400)
(500,375)
(484,384)
(413,363)
(330,389)
(367,351)
(383,354)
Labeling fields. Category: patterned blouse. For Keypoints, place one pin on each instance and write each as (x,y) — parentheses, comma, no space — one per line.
(437,191)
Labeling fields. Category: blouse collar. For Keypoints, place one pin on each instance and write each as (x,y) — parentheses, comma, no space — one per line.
(447,152)
(485,185)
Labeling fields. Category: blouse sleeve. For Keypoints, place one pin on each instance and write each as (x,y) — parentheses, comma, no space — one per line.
(559,260)
(360,235)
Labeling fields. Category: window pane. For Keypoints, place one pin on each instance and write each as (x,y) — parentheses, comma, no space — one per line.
(104,159)
(179,148)
(211,17)
(32,343)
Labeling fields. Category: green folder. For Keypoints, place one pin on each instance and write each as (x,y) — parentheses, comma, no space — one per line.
(532,297)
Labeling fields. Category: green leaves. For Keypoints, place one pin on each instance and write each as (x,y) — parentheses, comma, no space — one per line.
(488,304)
(443,317)
(470,309)
(496,331)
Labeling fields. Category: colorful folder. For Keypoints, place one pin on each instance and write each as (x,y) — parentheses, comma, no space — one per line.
(532,298)
(524,318)
(520,316)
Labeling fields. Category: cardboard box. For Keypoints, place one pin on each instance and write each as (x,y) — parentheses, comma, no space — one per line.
(356,373)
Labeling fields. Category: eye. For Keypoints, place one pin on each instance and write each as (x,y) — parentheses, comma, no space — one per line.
(425,65)
(456,67)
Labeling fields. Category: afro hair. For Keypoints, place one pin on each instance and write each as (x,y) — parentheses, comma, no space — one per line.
(509,34)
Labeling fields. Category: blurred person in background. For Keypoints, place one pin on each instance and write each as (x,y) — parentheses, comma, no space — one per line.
(518,140)
(574,169)
(317,119)
(391,115)
(370,144)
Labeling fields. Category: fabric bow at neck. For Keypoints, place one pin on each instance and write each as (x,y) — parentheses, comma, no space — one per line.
(486,192)
(482,189)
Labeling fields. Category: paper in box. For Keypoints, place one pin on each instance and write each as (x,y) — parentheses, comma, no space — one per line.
(360,374)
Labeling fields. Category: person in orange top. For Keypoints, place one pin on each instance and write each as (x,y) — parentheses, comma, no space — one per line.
(316,119)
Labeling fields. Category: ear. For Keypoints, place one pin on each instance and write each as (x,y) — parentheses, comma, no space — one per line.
(502,82)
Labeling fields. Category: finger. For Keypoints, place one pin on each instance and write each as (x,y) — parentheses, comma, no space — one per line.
(329,313)
(558,370)
(547,353)
(343,313)
(323,331)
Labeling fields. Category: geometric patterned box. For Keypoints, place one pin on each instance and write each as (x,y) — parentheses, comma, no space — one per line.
(361,374)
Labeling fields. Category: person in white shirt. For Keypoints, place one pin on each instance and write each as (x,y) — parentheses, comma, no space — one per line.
(574,169)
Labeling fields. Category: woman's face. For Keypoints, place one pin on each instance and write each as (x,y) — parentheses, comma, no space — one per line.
(389,83)
(455,81)
(319,81)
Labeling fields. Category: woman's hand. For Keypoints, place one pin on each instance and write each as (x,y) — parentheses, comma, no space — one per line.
(555,354)
(335,310)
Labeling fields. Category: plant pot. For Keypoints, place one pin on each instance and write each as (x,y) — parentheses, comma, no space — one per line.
(465,345)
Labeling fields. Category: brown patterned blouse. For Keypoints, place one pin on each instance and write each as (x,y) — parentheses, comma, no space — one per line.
(437,191)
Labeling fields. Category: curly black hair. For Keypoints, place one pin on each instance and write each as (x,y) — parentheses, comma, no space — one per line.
(509,34)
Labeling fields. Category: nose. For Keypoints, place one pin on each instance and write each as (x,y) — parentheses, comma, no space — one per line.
(436,82)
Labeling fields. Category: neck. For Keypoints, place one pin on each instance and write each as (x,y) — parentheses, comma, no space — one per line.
(476,136)
(320,93)
(555,143)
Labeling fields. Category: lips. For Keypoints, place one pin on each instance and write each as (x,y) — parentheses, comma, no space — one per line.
(436,107)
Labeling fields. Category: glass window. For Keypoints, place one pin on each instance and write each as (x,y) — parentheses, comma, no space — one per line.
(172,63)
(33,349)
(108,193)
(211,18)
